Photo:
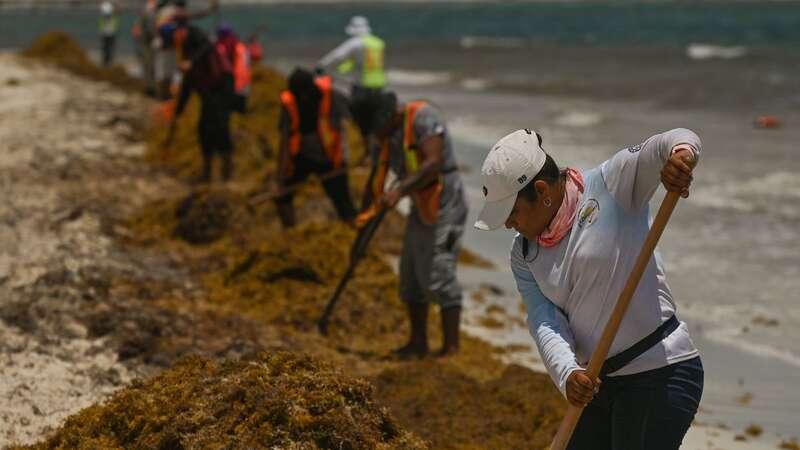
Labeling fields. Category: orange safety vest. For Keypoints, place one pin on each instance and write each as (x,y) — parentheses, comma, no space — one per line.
(425,199)
(330,137)
(240,66)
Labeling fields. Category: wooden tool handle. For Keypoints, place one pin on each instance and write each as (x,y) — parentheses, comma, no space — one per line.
(573,414)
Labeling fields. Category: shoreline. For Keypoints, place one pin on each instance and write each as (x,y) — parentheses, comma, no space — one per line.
(589,129)
(699,436)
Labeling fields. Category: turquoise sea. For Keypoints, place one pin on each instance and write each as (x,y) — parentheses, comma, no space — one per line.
(619,23)
(595,77)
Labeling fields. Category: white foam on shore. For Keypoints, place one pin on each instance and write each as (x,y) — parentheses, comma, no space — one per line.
(735,337)
(475,84)
(475,131)
(417,77)
(469,42)
(755,194)
(578,119)
(743,327)
(699,51)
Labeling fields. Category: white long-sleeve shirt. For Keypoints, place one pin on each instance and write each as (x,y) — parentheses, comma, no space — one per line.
(351,49)
(570,289)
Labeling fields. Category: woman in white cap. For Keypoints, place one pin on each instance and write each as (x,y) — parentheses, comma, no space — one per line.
(579,234)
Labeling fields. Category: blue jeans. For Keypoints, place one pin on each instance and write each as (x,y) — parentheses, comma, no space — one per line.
(645,411)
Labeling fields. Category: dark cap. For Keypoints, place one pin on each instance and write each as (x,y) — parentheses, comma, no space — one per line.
(301,84)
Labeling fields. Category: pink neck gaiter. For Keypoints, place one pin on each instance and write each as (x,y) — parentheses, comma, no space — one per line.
(564,218)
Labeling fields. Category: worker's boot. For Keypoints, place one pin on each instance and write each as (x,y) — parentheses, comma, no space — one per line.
(451,319)
(417,346)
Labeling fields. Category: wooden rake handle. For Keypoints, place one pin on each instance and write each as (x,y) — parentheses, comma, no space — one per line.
(573,414)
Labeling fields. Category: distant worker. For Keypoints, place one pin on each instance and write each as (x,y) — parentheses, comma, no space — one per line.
(313,141)
(207,72)
(417,146)
(255,49)
(109,26)
(144,34)
(165,56)
(359,60)
(238,55)
(170,15)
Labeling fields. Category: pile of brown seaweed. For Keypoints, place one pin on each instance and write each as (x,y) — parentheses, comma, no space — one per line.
(275,400)
(60,49)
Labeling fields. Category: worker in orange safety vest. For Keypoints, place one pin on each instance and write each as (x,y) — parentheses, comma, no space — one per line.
(238,54)
(416,145)
(313,141)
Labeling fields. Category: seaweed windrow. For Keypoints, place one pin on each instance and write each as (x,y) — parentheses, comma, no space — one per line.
(273,400)
(280,281)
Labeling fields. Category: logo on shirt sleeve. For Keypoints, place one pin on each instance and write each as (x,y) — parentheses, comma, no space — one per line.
(635,148)
(588,213)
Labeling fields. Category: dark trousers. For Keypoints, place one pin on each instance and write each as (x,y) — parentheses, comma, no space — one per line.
(646,411)
(108,49)
(336,188)
(214,133)
(364,103)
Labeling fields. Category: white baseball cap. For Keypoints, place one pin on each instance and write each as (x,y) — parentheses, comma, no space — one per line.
(358,25)
(510,165)
(106,8)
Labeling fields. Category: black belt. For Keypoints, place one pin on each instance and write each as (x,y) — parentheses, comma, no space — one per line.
(621,360)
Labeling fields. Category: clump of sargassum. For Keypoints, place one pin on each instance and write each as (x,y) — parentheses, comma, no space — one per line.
(277,400)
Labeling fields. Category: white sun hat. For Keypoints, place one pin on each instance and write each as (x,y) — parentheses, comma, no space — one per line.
(358,25)
(510,165)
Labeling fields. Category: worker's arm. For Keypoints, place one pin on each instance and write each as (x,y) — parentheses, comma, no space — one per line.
(633,174)
(432,152)
(283,151)
(348,49)
(550,330)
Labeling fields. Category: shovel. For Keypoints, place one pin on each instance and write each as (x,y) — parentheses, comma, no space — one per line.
(573,414)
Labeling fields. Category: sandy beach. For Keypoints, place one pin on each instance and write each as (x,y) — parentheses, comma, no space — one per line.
(64,236)
(53,247)
(114,266)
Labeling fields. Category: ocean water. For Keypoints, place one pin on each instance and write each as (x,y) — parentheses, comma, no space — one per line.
(502,24)
(594,78)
